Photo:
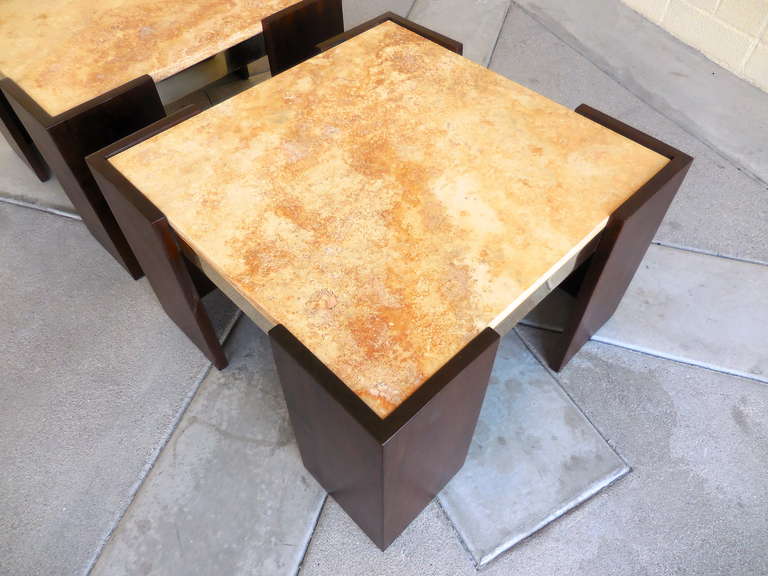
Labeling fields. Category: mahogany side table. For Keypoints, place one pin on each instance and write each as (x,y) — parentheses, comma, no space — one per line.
(386,211)
(77,75)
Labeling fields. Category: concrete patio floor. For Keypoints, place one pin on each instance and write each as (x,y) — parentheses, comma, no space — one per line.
(123,452)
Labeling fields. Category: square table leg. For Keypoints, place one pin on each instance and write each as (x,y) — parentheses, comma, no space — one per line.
(292,34)
(383,472)
(601,282)
(156,246)
(65,140)
(20,141)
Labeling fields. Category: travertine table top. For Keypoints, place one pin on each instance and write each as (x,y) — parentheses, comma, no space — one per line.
(66,52)
(386,201)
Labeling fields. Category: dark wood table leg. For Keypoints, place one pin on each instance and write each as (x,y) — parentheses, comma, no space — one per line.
(156,246)
(238,57)
(20,141)
(383,472)
(292,35)
(601,283)
(65,140)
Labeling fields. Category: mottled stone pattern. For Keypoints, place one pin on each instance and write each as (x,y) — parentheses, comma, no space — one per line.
(66,52)
(386,200)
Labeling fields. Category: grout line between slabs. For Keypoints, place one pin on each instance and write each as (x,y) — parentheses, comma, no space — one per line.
(155,455)
(413,5)
(710,253)
(594,489)
(501,29)
(681,360)
(647,352)
(739,165)
(456,533)
(40,208)
(300,565)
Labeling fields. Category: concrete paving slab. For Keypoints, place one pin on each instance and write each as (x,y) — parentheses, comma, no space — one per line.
(531,55)
(699,309)
(95,377)
(708,101)
(703,310)
(695,502)
(533,457)
(719,209)
(475,23)
(358,11)
(19,184)
(229,494)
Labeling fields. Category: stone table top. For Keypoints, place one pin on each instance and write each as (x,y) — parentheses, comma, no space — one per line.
(386,201)
(63,53)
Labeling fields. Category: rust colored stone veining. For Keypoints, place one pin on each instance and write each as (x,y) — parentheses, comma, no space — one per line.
(387,200)
(66,52)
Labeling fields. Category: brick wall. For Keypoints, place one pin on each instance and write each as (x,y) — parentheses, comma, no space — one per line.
(733,33)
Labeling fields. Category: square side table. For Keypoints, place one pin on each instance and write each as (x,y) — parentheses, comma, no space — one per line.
(79,76)
(387,211)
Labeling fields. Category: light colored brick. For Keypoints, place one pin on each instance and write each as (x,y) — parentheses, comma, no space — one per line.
(756,69)
(708,5)
(745,15)
(703,31)
(651,9)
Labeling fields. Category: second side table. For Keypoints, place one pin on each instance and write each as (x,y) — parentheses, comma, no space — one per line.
(80,75)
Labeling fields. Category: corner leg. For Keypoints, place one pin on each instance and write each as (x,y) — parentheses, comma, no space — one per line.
(383,472)
(20,141)
(606,276)
(156,248)
(292,35)
(64,141)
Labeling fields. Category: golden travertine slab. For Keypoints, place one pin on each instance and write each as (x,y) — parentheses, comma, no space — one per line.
(386,201)
(66,52)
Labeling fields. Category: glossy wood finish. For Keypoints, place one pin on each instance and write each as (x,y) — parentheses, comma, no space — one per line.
(383,472)
(65,140)
(291,35)
(600,284)
(435,37)
(19,139)
(178,288)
